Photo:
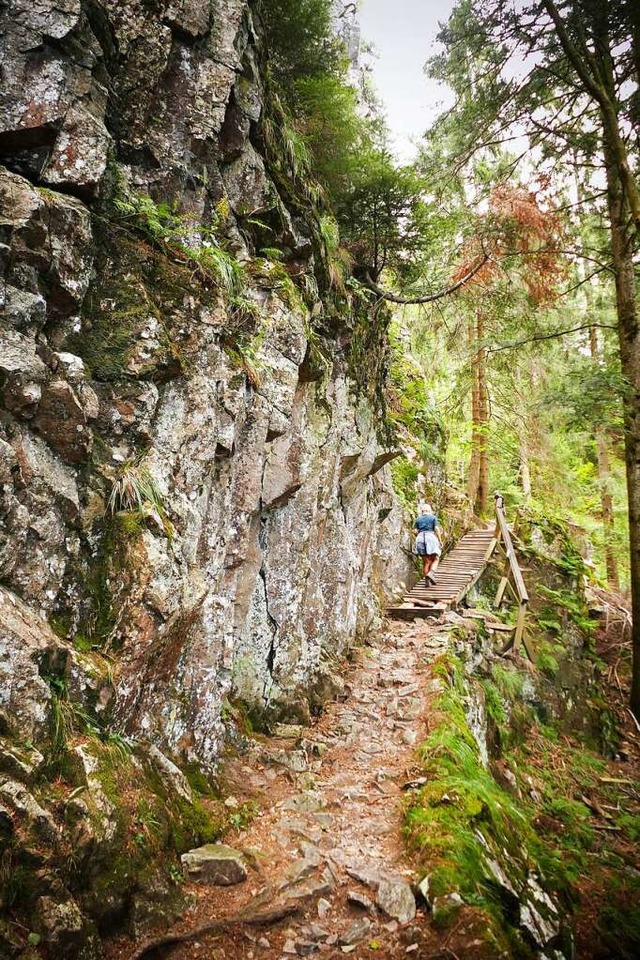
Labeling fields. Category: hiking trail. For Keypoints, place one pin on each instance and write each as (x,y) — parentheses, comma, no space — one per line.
(327,840)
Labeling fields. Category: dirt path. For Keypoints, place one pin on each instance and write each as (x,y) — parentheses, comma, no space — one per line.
(328,837)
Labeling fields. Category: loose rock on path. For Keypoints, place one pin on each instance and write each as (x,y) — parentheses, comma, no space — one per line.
(327,840)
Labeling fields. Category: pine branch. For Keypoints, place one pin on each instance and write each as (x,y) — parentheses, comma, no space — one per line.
(598,91)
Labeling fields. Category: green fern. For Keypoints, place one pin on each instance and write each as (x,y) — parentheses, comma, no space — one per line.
(271,253)
(155,219)
(174,233)
(295,150)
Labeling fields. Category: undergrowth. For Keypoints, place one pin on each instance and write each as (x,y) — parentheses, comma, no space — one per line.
(183,236)
(462,807)
(546,805)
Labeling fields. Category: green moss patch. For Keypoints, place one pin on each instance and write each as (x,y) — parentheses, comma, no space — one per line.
(548,805)
(462,809)
(135,284)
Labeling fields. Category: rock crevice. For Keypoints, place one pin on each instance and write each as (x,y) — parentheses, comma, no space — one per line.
(251,555)
(176,522)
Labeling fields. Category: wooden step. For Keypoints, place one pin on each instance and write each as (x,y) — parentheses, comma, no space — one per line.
(416,613)
(456,574)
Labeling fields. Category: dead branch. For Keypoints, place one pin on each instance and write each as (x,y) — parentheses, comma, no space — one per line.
(262,919)
(427,298)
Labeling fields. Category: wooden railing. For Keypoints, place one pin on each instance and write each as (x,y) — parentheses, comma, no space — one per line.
(512,579)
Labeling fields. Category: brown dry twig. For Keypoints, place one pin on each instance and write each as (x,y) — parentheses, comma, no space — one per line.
(263,919)
(634,718)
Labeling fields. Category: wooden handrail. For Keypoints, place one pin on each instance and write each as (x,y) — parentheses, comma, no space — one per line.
(503,533)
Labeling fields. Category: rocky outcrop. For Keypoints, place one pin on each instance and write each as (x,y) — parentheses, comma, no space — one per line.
(263,561)
(192,475)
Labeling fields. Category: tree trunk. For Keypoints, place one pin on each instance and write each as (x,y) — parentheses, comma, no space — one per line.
(525,471)
(482,496)
(473,476)
(629,338)
(523,389)
(478,477)
(604,481)
(624,218)
(606,502)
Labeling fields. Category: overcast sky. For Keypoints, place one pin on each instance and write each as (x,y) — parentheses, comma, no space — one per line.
(403,33)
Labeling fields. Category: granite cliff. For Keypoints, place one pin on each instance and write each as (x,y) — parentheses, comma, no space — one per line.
(195,505)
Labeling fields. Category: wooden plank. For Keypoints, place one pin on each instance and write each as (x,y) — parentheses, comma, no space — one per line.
(452,578)
(461,551)
(457,574)
(511,555)
(441,577)
(489,550)
(467,572)
(431,594)
(450,582)
(429,591)
(462,558)
(522,613)
(501,589)
(468,547)
(477,548)
(444,572)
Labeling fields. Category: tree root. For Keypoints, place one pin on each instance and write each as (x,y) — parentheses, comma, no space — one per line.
(258,919)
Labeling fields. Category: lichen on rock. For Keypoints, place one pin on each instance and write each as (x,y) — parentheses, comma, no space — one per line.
(161,343)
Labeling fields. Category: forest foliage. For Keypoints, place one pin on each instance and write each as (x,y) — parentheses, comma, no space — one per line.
(522,362)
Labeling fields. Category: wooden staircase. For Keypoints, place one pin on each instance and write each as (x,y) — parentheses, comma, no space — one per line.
(458,572)
(455,576)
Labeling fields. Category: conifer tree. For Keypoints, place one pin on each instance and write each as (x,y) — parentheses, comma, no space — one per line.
(566,74)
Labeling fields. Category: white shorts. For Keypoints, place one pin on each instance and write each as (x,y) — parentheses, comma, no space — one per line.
(427,544)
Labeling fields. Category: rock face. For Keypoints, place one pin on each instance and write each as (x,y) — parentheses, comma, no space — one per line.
(192,475)
(274,532)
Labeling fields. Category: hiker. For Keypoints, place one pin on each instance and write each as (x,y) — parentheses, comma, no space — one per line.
(428,545)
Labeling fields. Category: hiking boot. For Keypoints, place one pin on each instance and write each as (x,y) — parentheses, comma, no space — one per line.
(431,580)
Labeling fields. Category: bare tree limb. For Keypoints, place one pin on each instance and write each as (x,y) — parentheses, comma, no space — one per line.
(430,297)
(264,918)
(554,335)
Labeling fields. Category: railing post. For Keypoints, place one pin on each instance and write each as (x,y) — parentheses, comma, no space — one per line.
(512,570)
(522,613)
(501,591)
(498,501)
